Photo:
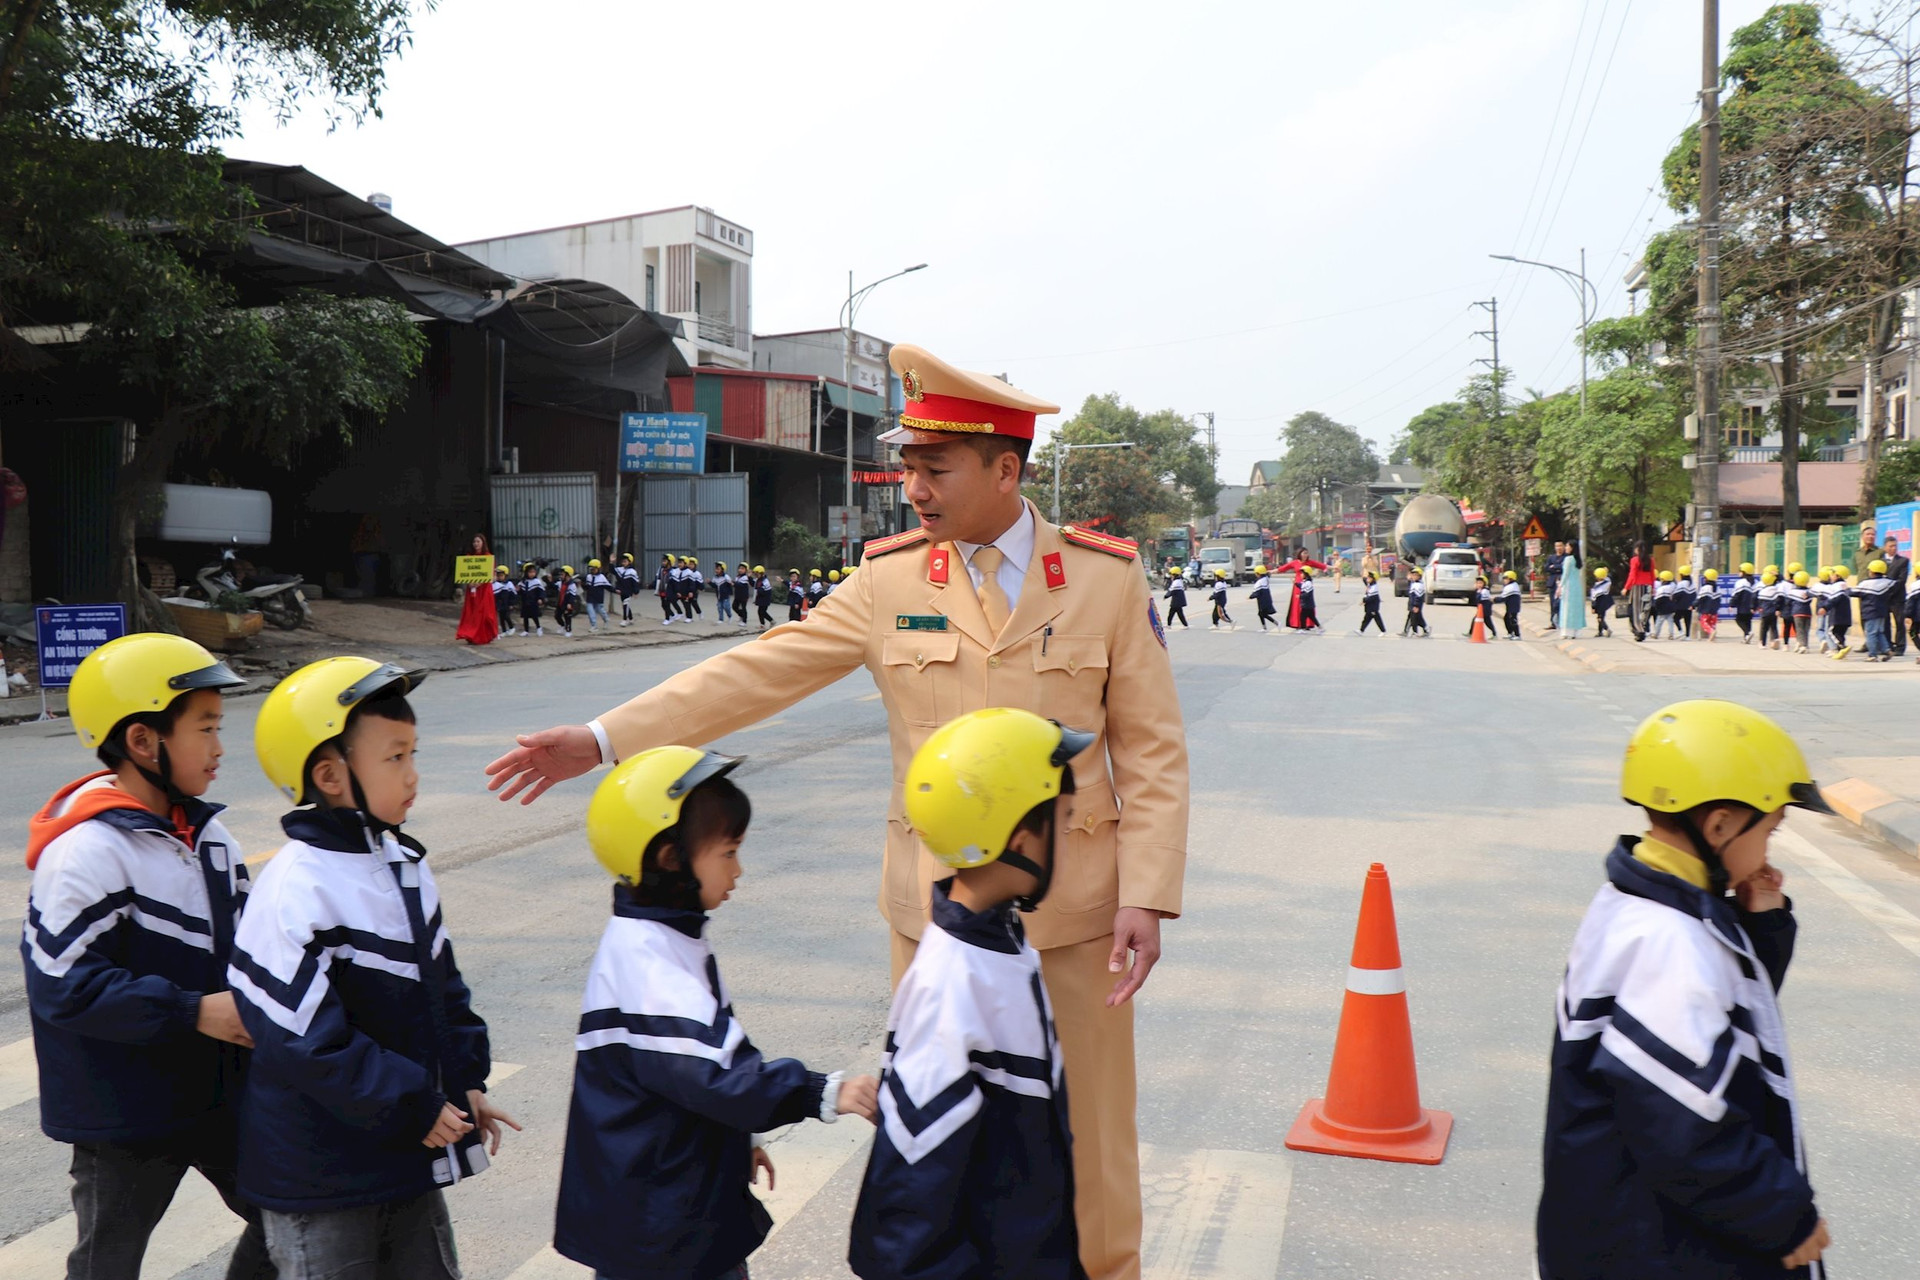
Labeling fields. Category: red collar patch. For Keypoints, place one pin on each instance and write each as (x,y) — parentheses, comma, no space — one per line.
(1056,571)
(937,565)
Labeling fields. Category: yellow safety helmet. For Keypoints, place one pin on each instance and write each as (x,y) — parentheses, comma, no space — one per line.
(1773,569)
(1826,574)
(1768,578)
(138,674)
(1666,575)
(977,776)
(813,573)
(641,798)
(593,564)
(759,568)
(1876,566)
(567,569)
(499,568)
(1711,575)
(1600,572)
(1746,566)
(1219,573)
(1705,749)
(1800,578)
(310,707)
(1795,567)
(627,556)
(1686,571)
(1510,576)
(833,575)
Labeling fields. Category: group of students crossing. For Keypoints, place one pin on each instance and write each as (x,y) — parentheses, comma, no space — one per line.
(1795,609)
(307,1043)
(1302,614)
(740,595)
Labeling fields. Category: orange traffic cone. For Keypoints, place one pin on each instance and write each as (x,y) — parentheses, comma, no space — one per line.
(1478,634)
(1372,1108)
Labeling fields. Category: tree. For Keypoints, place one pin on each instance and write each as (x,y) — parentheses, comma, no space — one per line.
(1320,455)
(1624,455)
(1167,477)
(1814,211)
(110,111)
(1425,441)
(1899,478)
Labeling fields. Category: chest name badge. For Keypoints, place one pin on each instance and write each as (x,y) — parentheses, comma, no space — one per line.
(919,622)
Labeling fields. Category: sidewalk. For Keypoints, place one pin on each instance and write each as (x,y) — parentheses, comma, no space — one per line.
(414,633)
(1725,656)
(1871,792)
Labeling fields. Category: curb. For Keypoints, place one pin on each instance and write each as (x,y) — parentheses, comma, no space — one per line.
(1573,648)
(1885,817)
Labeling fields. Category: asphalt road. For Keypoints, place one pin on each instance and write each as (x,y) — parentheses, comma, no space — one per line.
(1482,776)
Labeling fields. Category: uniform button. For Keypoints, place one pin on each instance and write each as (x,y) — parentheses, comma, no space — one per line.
(1092,822)
(919,659)
(994,662)
(1072,666)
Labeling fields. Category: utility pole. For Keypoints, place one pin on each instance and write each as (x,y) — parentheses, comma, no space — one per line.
(1706,370)
(1492,308)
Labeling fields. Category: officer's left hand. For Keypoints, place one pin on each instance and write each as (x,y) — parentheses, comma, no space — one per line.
(1135,929)
(761,1160)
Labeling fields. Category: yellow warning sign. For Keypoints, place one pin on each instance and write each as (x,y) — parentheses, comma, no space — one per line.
(1533,529)
(471,569)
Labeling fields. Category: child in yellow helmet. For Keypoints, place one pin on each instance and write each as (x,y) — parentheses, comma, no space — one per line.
(137,888)
(1601,597)
(1655,1162)
(1663,622)
(973,1084)
(367,1091)
(668,1091)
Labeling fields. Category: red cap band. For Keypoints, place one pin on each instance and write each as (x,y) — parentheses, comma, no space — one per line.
(933,412)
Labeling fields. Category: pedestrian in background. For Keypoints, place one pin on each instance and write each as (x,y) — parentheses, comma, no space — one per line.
(1602,598)
(597,585)
(1219,598)
(722,592)
(1510,603)
(505,596)
(1662,610)
(1683,594)
(1416,619)
(742,593)
(1370,603)
(1482,605)
(1556,564)
(1875,593)
(1798,598)
(1639,588)
(1262,597)
(533,594)
(1744,588)
(1898,569)
(1911,611)
(627,581)
(1176,598)
(1707,604)
(1840,612)
(796,597)
(1767,598)
(763,596)
(666,587)
(479,616)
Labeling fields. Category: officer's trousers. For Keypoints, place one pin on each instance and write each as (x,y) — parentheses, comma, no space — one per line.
(1097,1045)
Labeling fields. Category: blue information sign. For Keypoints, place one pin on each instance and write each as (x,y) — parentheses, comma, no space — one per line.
(69,632)
(675,443)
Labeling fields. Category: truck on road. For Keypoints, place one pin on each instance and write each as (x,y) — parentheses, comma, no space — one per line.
(1427,521)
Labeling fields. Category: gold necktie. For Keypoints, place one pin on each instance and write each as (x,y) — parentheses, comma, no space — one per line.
(993,601)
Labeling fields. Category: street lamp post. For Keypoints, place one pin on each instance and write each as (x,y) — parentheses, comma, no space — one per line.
(1060,451)
(1585,292)
(854,298)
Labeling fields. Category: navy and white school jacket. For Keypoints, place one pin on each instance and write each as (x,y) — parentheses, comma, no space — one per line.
(1218,592)
(1769,597)
(971,1173)
(1673,1144)
(763,593)
(1510,597)
(532,592)
(504,588)
(127,926)
(352,1057)
(1876,597)
(1176,594)
(1602,592)
(627,579)
(1262,595)
(598,584)
(1416,593)
(667,1094)
(1743,589)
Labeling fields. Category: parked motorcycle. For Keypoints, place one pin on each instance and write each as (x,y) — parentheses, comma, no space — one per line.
(276,595)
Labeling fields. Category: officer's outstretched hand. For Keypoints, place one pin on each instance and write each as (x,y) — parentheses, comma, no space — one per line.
(1135,929)
(859,1096)
(542,759)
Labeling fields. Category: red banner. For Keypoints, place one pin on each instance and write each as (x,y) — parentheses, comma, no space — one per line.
(880,477)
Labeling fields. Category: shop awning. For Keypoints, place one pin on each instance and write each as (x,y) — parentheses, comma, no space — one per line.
(865,403)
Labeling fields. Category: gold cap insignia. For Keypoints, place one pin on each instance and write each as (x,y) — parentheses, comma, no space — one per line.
(910,384)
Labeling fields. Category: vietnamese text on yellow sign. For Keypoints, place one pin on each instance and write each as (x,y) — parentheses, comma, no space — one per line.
(470,569)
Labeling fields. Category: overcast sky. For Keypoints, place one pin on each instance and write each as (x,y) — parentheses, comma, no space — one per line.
(1253,208)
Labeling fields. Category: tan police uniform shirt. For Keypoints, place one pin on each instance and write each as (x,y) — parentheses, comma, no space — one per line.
(1082,646)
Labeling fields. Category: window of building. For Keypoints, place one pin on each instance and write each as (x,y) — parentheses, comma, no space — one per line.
(1900,417)
(649,302)
(1750,427)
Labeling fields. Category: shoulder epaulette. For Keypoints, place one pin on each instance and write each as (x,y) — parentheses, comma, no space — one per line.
(1122,547)
(893,542)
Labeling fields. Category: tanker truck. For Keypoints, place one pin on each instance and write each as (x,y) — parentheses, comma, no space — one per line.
(1427,521)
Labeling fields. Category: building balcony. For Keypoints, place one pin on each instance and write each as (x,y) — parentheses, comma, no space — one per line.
(1771,453)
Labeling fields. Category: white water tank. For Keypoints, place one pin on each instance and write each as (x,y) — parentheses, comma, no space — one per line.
(381,201)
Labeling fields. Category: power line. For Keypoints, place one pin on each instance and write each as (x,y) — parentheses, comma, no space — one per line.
(1592,111)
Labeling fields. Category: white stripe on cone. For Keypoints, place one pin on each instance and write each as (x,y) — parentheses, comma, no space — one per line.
(1376,982)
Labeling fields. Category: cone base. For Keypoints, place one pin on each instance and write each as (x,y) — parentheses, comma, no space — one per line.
(1425,1146)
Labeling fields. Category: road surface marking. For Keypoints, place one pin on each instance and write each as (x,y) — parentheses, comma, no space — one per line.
(868,697)
(1888,916)
(19,1074)
(198,1225)
(549,1265)
(502,1072)
(805,1158)
(1213,1213)
(764,724)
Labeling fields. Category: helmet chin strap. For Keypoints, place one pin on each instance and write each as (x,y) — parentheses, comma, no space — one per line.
(1020,862)
(1717,878)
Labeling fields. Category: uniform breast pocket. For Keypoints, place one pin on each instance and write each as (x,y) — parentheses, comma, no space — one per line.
(920,678)
(1070,676)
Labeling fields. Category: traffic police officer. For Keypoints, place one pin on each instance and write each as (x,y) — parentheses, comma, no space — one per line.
(984,605)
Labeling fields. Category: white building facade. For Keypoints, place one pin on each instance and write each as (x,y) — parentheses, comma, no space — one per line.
(688,263)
